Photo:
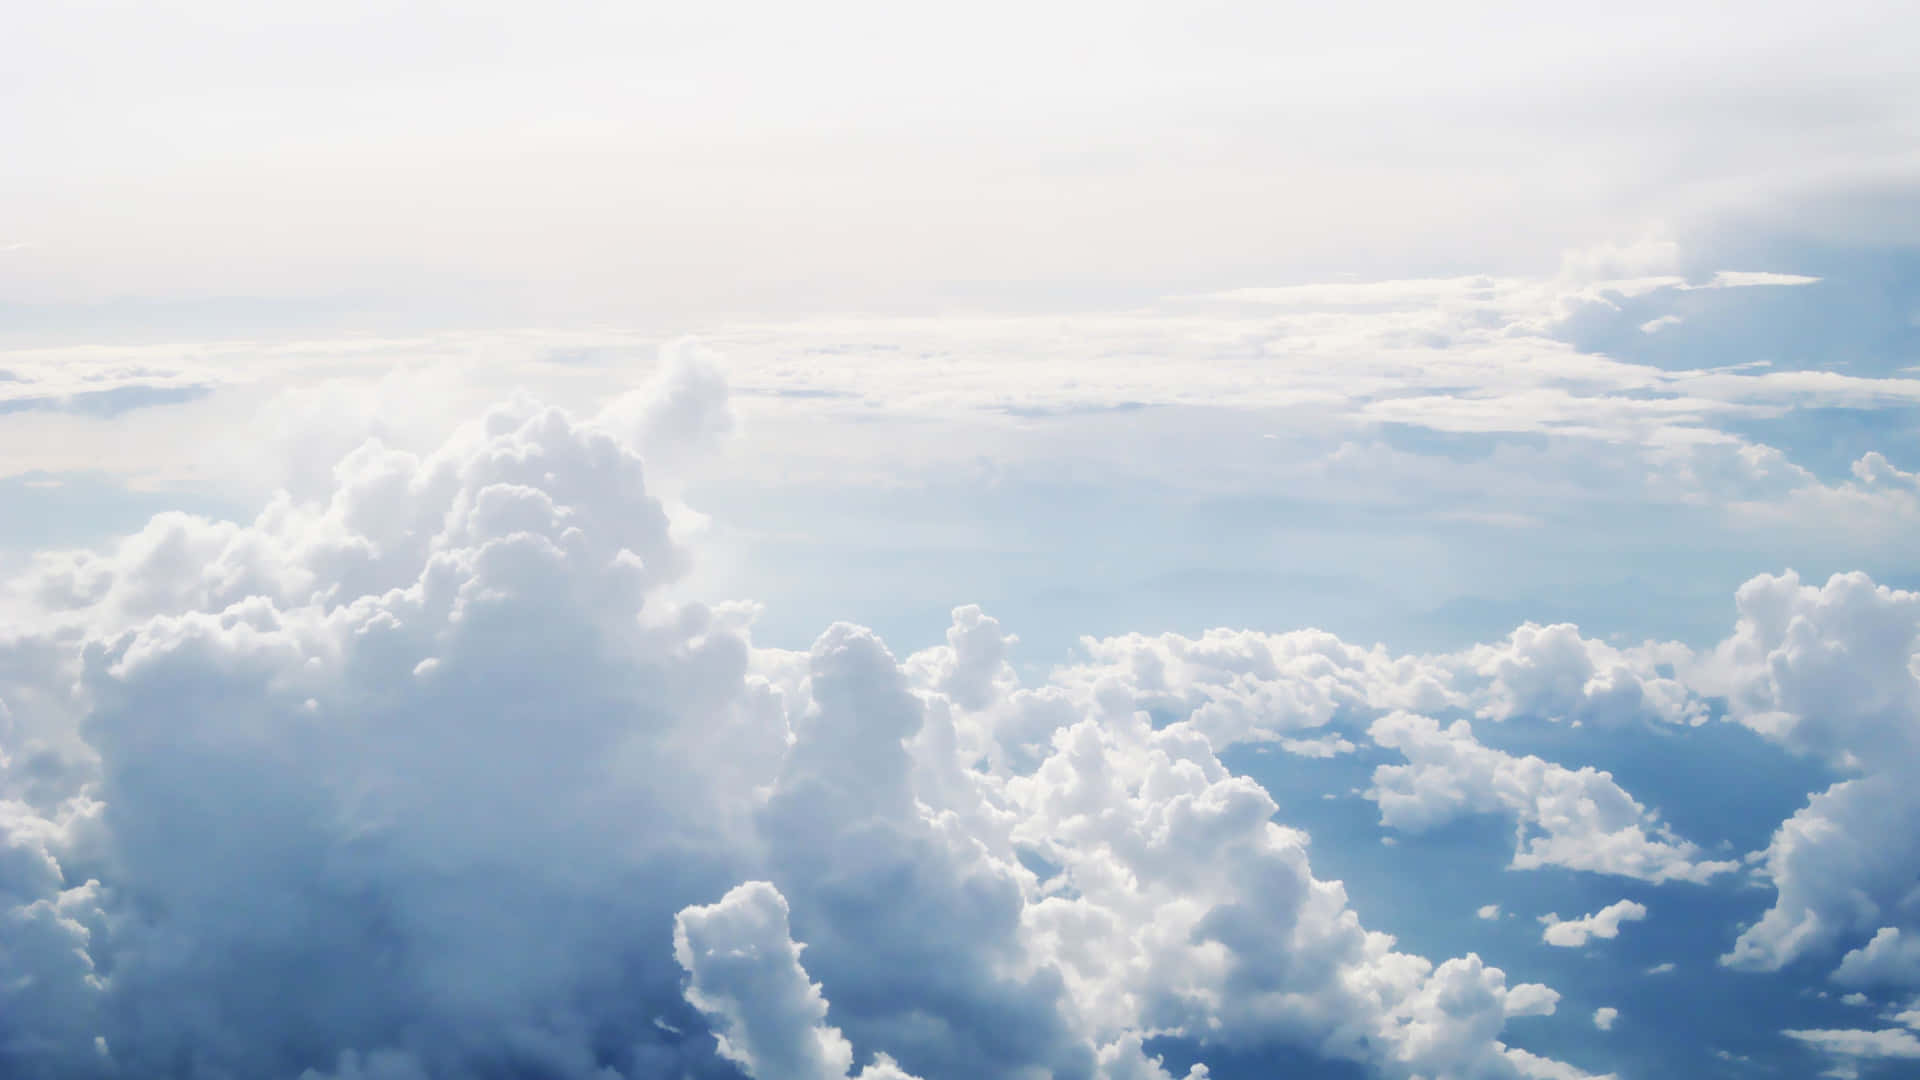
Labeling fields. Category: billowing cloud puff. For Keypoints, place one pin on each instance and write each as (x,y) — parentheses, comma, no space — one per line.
(1576,818)
(1833,670)
(1145,821)
(1306,690)
(683,409)
(424,779)
(1605,924)
(1605,1017)
(1891,958)
(1552,671)
(972,670)
(345,756)
(1300,687)
(1242,685)
(768,1018)
(1842,866)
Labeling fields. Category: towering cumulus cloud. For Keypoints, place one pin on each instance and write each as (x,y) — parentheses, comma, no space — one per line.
(427,780)
(1834,671)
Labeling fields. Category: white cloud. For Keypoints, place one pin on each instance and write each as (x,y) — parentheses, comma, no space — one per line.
(1850,1046)
(1554,672)
(437,738)
(684,408)
(1840,867)
(1874,468)
(746,976)
(1144,820)
(973,668)
(1746,279)
(1328,360)
(1604,1017)
(1828,670)
(1576,818)
(1890,958)
(1246,686)
(1879,504)
(1666,968)
(1488,911)
(1604,924)
(1238,686)
(1833,671)
(1757,480)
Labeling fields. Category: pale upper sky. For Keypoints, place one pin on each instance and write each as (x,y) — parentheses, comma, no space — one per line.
(374,163)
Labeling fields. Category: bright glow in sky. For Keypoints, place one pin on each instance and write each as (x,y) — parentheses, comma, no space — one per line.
(1084,542)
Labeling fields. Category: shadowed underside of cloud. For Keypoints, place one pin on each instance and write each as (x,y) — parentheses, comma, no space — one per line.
(109,402)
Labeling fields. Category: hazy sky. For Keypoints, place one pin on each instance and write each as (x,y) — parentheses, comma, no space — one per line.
(1008,542)
(478,163)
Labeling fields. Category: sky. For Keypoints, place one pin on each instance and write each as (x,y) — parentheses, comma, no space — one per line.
(1045,542)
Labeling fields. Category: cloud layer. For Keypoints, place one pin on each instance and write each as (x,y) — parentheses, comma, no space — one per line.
(424,778)
(430,773)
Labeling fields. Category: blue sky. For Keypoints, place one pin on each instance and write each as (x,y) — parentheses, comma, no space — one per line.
(1091,542)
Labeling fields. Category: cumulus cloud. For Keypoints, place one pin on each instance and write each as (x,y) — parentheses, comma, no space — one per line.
(1604,1017)
(1847,1048)
(1574,818)
(1555,673)
(1827,670)
(1833,671)
(1604,924)
(449,558)
(1874,468)
(747,978)
(422,776)
(1142,819)
(1238,686)
(1488,911)
(684,407)
(1303,688)
(1891,958)
(1842,868)
(972,670)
